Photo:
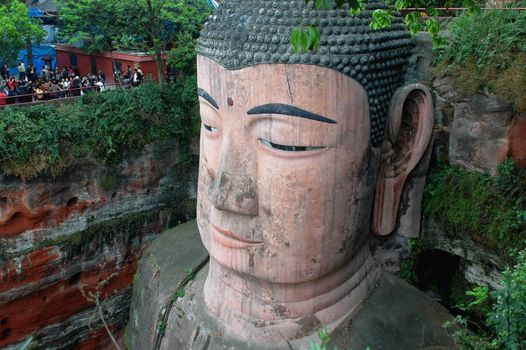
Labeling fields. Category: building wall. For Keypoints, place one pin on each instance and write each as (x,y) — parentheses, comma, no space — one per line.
(103,62)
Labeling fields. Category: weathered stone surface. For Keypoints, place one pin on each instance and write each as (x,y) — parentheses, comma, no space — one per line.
(85,330)
(480,267)
(477,131)
(517,143)
(421,59)
(479,134)
(164,266)
(446,88)
(394,316)
(85,227)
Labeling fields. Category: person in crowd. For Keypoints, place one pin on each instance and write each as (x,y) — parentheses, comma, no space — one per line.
(64,72)
(65,86)
(33,77)
(45,74)
(11,90)
(29,72)
(24,92)
(76,86)
(39,92)
(47,86)
(54,91)
(101,77)
(21,71)
(128,77)
(4,71)
(137,76)
(100,85)
(4,93)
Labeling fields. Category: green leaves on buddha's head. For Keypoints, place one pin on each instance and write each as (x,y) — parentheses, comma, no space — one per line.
(306,38)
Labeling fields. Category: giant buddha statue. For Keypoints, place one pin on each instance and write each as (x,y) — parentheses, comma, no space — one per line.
(303,156)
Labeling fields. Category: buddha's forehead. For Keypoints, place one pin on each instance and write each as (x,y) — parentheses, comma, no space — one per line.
(317,89)
(244,33)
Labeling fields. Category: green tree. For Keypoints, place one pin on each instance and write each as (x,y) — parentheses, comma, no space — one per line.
(159,24)
(94,25)
(506,317)
(152,26)
(17,30)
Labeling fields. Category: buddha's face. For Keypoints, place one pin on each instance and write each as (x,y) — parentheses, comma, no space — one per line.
(287,173)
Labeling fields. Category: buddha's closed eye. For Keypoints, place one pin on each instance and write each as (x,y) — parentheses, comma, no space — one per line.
(290,148)
(210,128)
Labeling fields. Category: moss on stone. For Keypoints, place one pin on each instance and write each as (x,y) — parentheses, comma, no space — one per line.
(125,228)
(491,210)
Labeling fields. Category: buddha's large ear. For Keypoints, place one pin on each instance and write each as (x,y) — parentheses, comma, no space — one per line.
(409,127)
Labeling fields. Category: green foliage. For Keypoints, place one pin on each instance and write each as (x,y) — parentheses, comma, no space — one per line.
(308,38)
(488,51)
(408,265)
(161,23)
(190,15)
(179,293)
(106,128)
(508,314)
(489,209)
(152,26)
(323,335)
(161,328)
(381,19)
(123,229)
(480,297)
(190,273)
(505,318)
(108,182)
(96,25)
(17,30)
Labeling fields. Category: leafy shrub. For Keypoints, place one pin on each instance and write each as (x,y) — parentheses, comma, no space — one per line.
(489,209)
(106,128)
(506,317)
(488,50)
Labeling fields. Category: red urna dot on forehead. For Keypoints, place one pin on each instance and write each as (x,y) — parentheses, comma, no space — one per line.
(230,101)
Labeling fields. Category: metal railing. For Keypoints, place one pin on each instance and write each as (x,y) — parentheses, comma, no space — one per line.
(54,96)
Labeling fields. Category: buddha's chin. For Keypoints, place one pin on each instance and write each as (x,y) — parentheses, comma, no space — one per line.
(281,306)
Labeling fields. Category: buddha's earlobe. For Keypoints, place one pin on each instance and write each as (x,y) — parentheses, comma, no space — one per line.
(409,127)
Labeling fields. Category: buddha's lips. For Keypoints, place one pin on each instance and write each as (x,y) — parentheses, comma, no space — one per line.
(233,240)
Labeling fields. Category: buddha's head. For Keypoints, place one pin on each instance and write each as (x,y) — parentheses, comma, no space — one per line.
(302,155)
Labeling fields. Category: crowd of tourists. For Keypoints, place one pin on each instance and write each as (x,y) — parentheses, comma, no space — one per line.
(31,85)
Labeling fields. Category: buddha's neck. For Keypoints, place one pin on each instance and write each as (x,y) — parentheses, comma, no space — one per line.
(233,297)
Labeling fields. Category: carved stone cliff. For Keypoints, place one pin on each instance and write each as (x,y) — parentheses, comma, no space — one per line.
(83,232)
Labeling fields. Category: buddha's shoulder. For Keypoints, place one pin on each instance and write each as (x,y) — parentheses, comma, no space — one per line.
(395,315)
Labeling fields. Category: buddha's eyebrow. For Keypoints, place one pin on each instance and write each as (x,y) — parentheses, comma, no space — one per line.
(279,108)
(207,97)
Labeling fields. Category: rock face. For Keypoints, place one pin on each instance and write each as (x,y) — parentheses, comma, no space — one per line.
(477,265)
(67,240)
(480,130)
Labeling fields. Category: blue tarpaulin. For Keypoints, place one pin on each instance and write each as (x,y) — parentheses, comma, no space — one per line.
(42,16)
(40,54)
(213,3)
(35,13)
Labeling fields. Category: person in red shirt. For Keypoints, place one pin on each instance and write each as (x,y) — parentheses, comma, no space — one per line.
(3,98)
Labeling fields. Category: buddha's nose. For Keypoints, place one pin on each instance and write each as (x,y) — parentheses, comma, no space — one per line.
(234,188)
